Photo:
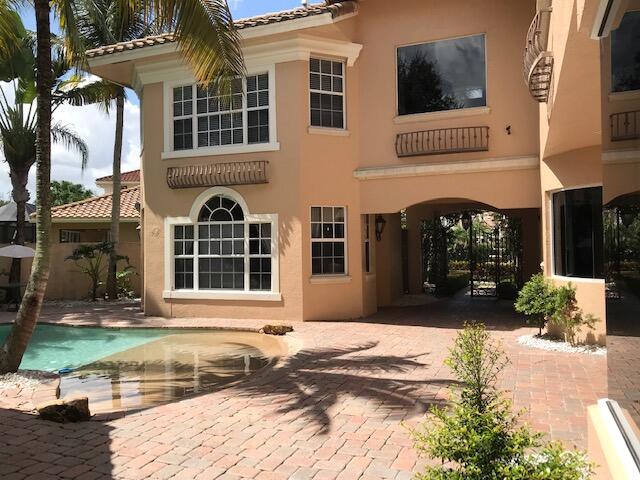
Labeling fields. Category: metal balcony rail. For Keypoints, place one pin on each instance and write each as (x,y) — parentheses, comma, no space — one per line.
(538,61)
(442,141)
(625,126)
(218,174)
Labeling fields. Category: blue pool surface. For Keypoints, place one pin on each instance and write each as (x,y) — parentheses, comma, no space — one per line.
(55,347)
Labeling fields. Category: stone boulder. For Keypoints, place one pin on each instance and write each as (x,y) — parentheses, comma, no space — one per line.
(65,411)
(276,329)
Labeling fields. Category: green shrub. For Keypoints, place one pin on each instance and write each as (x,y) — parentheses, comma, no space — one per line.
(567,316)
(123,281)
(478,437)
(537,300)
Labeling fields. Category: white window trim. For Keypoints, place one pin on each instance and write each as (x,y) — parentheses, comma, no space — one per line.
(459,110)
(330,277)
(551,229)
(169,266)
(330,130)
(169,153)
(366,241)
(74,233)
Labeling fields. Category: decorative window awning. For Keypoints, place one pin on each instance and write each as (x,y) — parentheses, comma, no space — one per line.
(218,174)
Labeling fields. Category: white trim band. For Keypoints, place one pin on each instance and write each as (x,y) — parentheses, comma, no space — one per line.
(475,166)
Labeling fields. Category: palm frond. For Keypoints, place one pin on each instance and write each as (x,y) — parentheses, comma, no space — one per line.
(74,44)
(71,140)
(76,92)
(206,36)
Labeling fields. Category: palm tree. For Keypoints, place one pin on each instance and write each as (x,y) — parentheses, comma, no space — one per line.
(208,41)
(100,22)
(18,121)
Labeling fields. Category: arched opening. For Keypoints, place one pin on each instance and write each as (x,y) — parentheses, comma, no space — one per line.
(454,251)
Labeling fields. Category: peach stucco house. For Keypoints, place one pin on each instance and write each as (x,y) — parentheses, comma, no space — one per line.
(282,200)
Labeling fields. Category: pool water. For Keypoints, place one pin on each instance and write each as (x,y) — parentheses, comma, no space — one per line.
(124,369)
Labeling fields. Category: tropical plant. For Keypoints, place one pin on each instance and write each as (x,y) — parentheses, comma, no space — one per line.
(67,192)
(537,300)
(90,260)
(478,437)
(209,43)
(567,316)
(124,278)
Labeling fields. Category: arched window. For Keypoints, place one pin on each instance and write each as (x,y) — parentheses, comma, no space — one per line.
(227,249)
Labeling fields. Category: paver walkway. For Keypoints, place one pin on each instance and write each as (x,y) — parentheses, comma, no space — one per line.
(332,410)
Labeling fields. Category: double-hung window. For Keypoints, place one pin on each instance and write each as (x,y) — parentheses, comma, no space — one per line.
(442,75)
(226,250)
(203,117)
(326,87)
(328,241)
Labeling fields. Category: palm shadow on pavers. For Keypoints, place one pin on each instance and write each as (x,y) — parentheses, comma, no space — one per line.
(34,448)
(314,386)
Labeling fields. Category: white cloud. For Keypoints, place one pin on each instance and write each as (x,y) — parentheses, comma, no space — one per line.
(98,130)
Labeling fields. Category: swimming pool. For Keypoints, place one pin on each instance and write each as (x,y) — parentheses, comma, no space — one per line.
(121,369)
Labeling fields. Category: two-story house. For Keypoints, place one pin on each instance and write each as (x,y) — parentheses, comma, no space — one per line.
(284,198)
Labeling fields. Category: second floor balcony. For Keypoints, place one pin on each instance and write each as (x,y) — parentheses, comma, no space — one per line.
(538,60)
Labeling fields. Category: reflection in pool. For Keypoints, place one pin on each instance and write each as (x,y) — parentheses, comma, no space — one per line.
(169,368)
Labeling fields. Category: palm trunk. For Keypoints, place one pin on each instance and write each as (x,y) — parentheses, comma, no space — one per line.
(18,339)
(20,195)
(112,287)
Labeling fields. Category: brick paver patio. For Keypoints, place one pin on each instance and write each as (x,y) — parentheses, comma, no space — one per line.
(331,410)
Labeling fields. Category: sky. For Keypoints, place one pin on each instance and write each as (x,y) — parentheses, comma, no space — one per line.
(98,129)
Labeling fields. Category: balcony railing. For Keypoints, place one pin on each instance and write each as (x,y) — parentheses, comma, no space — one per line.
(218,174)
(625,126)
(442,141)
(538,61)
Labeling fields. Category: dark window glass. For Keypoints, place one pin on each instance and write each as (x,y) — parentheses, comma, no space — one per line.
(442,75)
(326,84)
(328,244)
(577,232)
(625,54)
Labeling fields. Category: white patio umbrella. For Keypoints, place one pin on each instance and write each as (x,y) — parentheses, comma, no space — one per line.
(17,251)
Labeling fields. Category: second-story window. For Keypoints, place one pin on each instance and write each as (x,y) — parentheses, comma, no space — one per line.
(625,54)
(239,117)
(442,75)
(326,86)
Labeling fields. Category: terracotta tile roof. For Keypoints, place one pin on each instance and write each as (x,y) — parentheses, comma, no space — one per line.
(335,8)
(99,208)
(132,176)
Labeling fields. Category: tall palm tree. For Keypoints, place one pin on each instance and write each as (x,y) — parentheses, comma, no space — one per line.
(18,120)
(101,22)
(208,41)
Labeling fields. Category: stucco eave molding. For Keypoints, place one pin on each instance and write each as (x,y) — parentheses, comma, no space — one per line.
(613,157)
(475,166)
(301,47)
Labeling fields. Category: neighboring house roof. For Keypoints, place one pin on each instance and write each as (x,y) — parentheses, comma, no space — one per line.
(99,208)
(335,8)
(129,177)
(8,212)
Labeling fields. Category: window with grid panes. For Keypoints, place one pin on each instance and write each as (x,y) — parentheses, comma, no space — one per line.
(366,225)
(328,240)
(232,253)
(240,117)
(326,85)
(183,118)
